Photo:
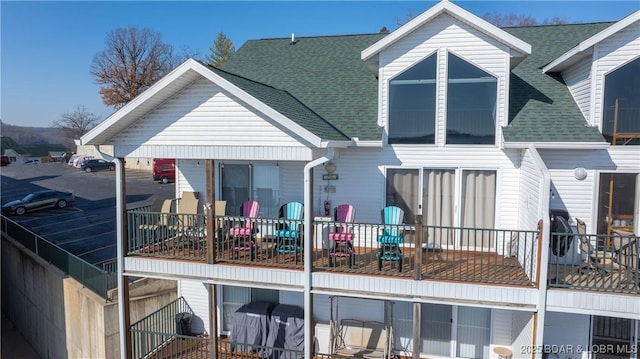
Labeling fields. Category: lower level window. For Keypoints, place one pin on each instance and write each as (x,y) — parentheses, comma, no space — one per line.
(235,297)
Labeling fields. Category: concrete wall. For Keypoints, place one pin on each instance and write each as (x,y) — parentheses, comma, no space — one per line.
(59,317)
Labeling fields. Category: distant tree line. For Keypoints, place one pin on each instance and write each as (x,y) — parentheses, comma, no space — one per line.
(36,135)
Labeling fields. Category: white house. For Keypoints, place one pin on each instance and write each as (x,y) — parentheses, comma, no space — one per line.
(477,131)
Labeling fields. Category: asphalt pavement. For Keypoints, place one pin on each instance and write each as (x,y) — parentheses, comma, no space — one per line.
(87,229)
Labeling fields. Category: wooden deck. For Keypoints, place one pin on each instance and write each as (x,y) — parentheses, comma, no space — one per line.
(453,265)
(587,278)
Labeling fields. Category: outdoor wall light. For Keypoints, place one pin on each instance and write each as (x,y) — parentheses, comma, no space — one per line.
(580,173)
(329,167)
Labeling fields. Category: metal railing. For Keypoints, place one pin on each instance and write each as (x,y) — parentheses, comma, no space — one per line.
(97,280)
(153,332)
(607,263)
(166,235)
(439,252)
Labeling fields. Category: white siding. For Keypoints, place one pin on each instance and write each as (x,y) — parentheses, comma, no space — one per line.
(563,330)
(608,55)
(196,295)
(578,80)
(190,176)
(596,303)
(200,115)
(362,182)
(291,182)
(501,327)
(443,34)
(579,197)
(522,332)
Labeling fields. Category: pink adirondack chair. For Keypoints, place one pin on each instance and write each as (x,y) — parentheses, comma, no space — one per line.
(243,235)
(341,238)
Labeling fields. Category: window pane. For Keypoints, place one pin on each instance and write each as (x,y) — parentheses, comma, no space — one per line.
(471,104)
(235,187)
(412,99)
(617,202)
(266,184)
(614,332)
(474,332)
(436,329)
(265,295)
(402,191)
(622,86)
(232,299)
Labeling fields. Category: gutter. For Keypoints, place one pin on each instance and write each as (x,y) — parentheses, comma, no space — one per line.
(559,145)
(308,220)
(354,142)
(120,206)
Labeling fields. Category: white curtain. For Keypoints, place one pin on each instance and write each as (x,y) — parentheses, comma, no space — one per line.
(438,198)
(478,208)
(402,191)
(473,332)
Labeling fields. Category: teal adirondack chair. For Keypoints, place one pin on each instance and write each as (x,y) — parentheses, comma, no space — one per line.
(391,238)
(289,235)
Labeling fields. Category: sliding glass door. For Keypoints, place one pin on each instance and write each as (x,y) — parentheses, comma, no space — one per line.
(447,198)
(259,182)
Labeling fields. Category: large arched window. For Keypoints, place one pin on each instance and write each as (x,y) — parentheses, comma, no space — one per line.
(471,104)
(412,104)
(621,113)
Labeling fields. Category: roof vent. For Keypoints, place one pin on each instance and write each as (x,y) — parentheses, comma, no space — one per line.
(293,38)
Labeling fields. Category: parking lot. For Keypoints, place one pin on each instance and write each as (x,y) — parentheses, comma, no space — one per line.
(87,229)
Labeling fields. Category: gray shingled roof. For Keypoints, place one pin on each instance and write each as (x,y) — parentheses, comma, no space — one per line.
(327,75)
(285,104)
(541,108)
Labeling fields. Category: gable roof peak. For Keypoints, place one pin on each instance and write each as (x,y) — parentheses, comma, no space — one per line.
(521,48)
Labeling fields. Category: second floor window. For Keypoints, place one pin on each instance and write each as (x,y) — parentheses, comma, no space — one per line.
(621,123)
(471,104)
(412,104)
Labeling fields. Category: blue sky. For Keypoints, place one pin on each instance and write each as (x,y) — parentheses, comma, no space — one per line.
(46,47)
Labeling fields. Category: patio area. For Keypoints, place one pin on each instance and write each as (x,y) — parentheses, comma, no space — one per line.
(447,253)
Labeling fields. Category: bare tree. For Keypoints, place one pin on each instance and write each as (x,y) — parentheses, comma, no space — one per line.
(132,61)
(77,123)
(221,50)
(501,20)
(513,19)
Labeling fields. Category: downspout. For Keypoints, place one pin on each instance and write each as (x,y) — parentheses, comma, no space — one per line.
(120,259)
(543,268)
(308,247)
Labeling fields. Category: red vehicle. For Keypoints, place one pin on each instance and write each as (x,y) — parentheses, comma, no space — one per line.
(164,169)
(4,161)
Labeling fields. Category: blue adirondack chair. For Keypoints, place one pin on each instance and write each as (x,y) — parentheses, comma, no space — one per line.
(391,237)
(288,236)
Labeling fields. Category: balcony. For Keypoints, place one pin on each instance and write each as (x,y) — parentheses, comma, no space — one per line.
(437,253)
(604,263)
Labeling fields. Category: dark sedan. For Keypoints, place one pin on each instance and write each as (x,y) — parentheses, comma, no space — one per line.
(97,164)
(39,200)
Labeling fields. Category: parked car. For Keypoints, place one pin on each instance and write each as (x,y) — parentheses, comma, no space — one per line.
(164,169)
(31,162)
(80,160)
(97,164)
(72,159)
(4,161)
(39,200)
